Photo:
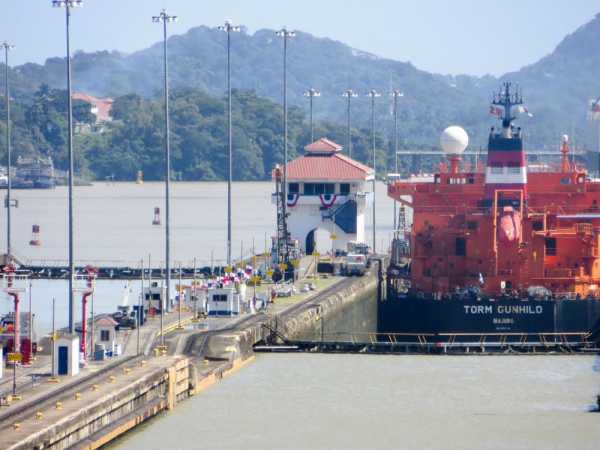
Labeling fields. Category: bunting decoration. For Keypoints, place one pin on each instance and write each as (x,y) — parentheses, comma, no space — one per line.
(292,199)
(327,200)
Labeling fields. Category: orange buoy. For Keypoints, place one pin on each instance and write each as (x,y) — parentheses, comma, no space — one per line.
(157,220)
(35,229)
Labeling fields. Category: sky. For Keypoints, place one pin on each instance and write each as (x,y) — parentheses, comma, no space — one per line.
(473,37)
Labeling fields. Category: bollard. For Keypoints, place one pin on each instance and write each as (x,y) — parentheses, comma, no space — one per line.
(155,352)
(16,425)
(58,405)
(111,379)
(163,352)
(38,415)
(206,361)
(95,387)
(143,363)
(127,370)
(77,396)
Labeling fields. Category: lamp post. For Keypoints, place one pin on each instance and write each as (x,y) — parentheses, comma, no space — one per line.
(6,47)
(285,33)
(229,28)
(68,4)
(310,94)
(373,93)
(349,93)
(164,17)
(396,94)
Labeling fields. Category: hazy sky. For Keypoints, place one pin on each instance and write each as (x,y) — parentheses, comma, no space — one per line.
(446,36)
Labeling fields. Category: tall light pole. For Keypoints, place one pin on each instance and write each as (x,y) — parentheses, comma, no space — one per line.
(373,93)
(165,18)
(229,28)
(6,47)
(68,4)
(396,94)
(349,93)
(285,33)
(310,94)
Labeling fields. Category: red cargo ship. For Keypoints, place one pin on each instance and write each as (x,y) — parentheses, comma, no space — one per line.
(501,255)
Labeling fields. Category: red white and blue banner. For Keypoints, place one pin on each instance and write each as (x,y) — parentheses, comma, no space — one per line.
(327,200)
(292,199)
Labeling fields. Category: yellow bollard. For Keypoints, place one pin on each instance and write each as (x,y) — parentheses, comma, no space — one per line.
(143,363)
(16,425)
(95,387)
(127,370)
(58,405)
(77,396)
(163,352)
(111,379)
(155,352)
(206,361)
(38,415)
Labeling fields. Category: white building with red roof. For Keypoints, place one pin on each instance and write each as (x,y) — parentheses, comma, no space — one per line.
(100,108)
(326,190)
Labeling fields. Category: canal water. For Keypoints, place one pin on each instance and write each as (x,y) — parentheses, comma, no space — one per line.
(113,227)
(316,401)
(300,401)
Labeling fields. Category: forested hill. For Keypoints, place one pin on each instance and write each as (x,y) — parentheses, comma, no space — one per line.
(557,89)
(198,59)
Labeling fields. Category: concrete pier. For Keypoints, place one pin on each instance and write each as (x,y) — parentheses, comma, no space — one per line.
(108,398)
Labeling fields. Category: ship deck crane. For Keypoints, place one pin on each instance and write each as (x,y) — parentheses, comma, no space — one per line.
(282,243)
(282,229)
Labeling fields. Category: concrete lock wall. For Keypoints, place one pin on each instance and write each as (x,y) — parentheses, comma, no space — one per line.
(161,389)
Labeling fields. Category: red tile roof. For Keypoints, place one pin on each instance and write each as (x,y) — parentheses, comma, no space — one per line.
(106,320)
(329,166)
(102,105)
(323,144)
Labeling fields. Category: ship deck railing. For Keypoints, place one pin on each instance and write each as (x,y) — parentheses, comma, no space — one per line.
(398,342)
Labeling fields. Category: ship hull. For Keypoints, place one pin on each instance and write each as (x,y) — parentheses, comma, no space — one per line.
(492,320)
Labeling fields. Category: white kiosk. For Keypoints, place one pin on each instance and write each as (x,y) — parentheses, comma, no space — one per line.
(326,190)
(66,354)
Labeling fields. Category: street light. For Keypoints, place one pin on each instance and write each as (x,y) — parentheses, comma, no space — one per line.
(285,33)
(373,93)
(165,18)
(310,94)
(6,47)
(229,28)
(395,94)
(349,93)
(68,4)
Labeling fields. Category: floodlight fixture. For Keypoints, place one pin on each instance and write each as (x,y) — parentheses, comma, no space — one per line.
(311,93)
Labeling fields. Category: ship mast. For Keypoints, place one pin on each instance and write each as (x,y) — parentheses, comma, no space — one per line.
(507,101)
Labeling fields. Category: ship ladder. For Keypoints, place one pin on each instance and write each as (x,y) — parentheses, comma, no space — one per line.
(422,340)
(563,338)
(524,338)
(451,340)
(543,340)
(502,340)
(482,342)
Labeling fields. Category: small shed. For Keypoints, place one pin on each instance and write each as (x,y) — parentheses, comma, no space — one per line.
(223,301)
(66,354)
(105,332)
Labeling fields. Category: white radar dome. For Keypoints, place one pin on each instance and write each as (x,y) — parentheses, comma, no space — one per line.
(454,140)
